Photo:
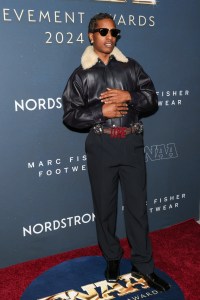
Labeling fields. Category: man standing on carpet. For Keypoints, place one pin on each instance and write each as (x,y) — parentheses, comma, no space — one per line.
(108,94)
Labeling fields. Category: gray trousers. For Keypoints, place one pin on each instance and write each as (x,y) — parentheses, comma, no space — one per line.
(110,161)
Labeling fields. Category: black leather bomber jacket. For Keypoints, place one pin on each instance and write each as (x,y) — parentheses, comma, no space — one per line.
(81,103)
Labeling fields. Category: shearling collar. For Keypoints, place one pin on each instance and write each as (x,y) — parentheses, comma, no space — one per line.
(90,58)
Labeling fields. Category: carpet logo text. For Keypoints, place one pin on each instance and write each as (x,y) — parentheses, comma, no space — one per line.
(127,285)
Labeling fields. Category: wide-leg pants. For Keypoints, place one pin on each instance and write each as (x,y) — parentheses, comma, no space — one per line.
(110,161)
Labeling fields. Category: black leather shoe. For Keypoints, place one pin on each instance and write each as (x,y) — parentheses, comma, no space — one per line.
(112,270)
(152,280)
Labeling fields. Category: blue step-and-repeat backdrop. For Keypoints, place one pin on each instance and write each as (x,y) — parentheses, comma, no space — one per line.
(46,205)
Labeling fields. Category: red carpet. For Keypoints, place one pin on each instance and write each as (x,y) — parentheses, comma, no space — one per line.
(176,252)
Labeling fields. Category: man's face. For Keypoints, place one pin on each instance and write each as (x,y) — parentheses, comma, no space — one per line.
(103,44)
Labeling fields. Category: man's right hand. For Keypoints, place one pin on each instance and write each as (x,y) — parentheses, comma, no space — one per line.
(114,110)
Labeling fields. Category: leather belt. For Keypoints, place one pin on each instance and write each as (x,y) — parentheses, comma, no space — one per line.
(119,132)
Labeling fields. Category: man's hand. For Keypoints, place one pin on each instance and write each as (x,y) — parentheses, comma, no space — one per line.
(115,96)
(114,110)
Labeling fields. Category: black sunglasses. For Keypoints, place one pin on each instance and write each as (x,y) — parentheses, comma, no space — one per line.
(104,31)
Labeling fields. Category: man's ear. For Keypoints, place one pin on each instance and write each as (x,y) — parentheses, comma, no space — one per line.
(90,36)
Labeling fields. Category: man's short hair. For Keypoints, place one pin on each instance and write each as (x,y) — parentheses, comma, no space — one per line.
(93,21)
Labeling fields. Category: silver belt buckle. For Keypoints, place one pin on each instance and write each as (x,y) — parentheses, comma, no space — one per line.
(138,127)
(98,129)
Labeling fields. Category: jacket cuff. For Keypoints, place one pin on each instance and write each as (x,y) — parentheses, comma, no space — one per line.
(134,99)
(97,113)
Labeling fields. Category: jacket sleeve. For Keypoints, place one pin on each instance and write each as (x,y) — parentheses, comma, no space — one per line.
(78,112)
(143,98)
